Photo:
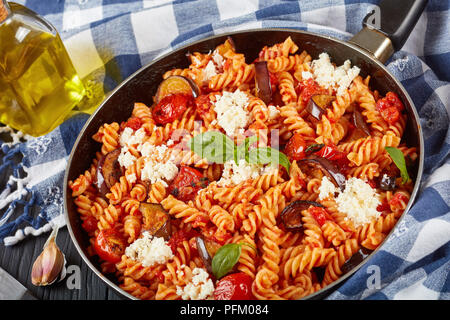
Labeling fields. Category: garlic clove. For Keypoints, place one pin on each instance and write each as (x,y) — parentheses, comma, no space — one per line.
(50,264)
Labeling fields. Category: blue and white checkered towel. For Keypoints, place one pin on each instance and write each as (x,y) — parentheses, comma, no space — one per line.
(109,39)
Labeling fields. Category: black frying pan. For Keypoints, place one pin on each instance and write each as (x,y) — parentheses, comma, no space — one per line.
(369,49)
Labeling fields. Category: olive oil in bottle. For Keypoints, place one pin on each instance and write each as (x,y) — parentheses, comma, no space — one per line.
(38,83)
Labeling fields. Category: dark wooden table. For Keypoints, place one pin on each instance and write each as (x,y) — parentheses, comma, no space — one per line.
(17,260)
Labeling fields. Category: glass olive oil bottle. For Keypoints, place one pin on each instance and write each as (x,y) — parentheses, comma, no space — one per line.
(38,83)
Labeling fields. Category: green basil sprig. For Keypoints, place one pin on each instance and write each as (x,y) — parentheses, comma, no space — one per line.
(226,257)
(213,146)
(399,160)
(217,147)
(265,155)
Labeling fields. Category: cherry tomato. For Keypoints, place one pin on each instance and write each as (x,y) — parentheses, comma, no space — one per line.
(90,224)
(390,107)
(235,286)
(187,183)
(110,245)
(134,123)
(171,108)
(295,148)
(320,214)
(306,89)
(331,152)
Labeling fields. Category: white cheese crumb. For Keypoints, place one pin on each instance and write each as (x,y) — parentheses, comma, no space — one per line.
(156,167)
(130,137)
(327,188)
(234,174)
(209,71)
(149,250)
(327,75)
(231,111)
(359,201)
(126,159)
(200,287)
(306,75)
(146,149)
(159,171)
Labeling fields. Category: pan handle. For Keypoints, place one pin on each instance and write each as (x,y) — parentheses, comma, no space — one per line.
(387,27)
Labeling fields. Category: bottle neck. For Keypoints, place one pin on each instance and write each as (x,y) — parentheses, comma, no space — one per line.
(4,10)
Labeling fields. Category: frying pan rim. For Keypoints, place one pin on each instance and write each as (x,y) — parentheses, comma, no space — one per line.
(335,284)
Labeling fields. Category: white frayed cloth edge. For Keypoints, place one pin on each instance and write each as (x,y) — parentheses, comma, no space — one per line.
(20,234)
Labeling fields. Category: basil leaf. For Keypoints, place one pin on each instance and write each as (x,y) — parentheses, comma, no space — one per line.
(213,146)
(225,259)
(399,160)
(241,151)
(264,155)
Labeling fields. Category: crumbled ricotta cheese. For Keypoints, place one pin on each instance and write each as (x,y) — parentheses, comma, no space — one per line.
(327,188)
(327,75)
(234,174)
(125,158)
(209,71)
(306,75)
(200,287)
(157,168)
(159,171)
(231,109)
(130,137)
(359,201)
(149,250)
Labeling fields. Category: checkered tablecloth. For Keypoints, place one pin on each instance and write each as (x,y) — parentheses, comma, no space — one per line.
(110,39)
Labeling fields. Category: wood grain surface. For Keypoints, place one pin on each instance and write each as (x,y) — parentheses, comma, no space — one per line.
(17,260)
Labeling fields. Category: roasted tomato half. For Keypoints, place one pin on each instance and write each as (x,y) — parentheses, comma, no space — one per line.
(295,148)
(390,107)
(235,286)
(187,183)
(110,245)
(171,108)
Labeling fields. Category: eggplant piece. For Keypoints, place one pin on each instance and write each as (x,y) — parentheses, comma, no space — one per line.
(359,123)
(314,109)
(156,220)
(316,106)
(262,82)
(387,182)
(109,171)
(328,168)
(176,85)
(291,216)
(207,249)
(355,260)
